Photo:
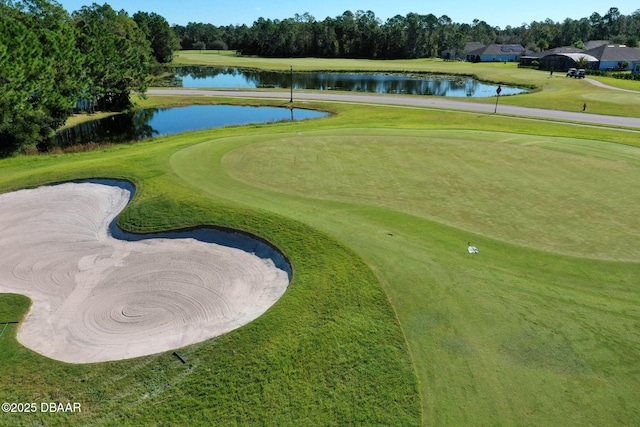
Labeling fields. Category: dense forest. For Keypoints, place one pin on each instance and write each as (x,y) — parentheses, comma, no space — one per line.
(54,61)
(362,35)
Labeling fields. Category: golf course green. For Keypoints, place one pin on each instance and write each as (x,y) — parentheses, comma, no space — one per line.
(388,320)
(517,320)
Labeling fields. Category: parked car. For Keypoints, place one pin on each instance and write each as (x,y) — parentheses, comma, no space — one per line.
(576,73)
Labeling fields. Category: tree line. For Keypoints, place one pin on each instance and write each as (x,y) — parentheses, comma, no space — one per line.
(52,61)
(363,35)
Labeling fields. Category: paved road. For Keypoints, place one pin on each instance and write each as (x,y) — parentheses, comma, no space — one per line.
(417,101)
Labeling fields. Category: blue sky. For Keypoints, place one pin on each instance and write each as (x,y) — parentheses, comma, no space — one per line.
(495,12)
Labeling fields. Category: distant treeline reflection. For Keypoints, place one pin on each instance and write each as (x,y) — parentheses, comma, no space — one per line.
(412,84)
(117,129)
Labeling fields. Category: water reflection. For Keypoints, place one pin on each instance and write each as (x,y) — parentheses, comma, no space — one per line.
(230,77)
(116,129)
(150,122)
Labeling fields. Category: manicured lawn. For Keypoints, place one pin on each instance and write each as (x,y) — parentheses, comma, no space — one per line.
(506,186)
(514,335)
(389,320)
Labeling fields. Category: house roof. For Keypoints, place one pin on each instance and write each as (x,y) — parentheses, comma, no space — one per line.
(613,53)
(468,47)
(499,49)
(592,44)
(576,56)
(471,46)
(556,51)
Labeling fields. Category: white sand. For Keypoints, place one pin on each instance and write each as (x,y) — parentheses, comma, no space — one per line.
(97,298)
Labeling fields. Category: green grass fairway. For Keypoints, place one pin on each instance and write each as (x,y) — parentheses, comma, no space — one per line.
(506,186)
(513,335)
(389,320)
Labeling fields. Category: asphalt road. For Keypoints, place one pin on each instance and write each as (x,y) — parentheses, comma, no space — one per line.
(418,101)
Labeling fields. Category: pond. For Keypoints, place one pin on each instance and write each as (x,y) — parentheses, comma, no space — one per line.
(152,122)
(413,84)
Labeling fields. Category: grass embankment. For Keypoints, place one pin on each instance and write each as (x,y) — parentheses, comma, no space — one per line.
(374,208)
(557,92)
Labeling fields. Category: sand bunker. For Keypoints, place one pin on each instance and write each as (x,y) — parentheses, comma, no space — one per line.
(97,297)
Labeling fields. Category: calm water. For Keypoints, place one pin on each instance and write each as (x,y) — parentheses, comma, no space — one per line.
(207,77)
(156,122)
